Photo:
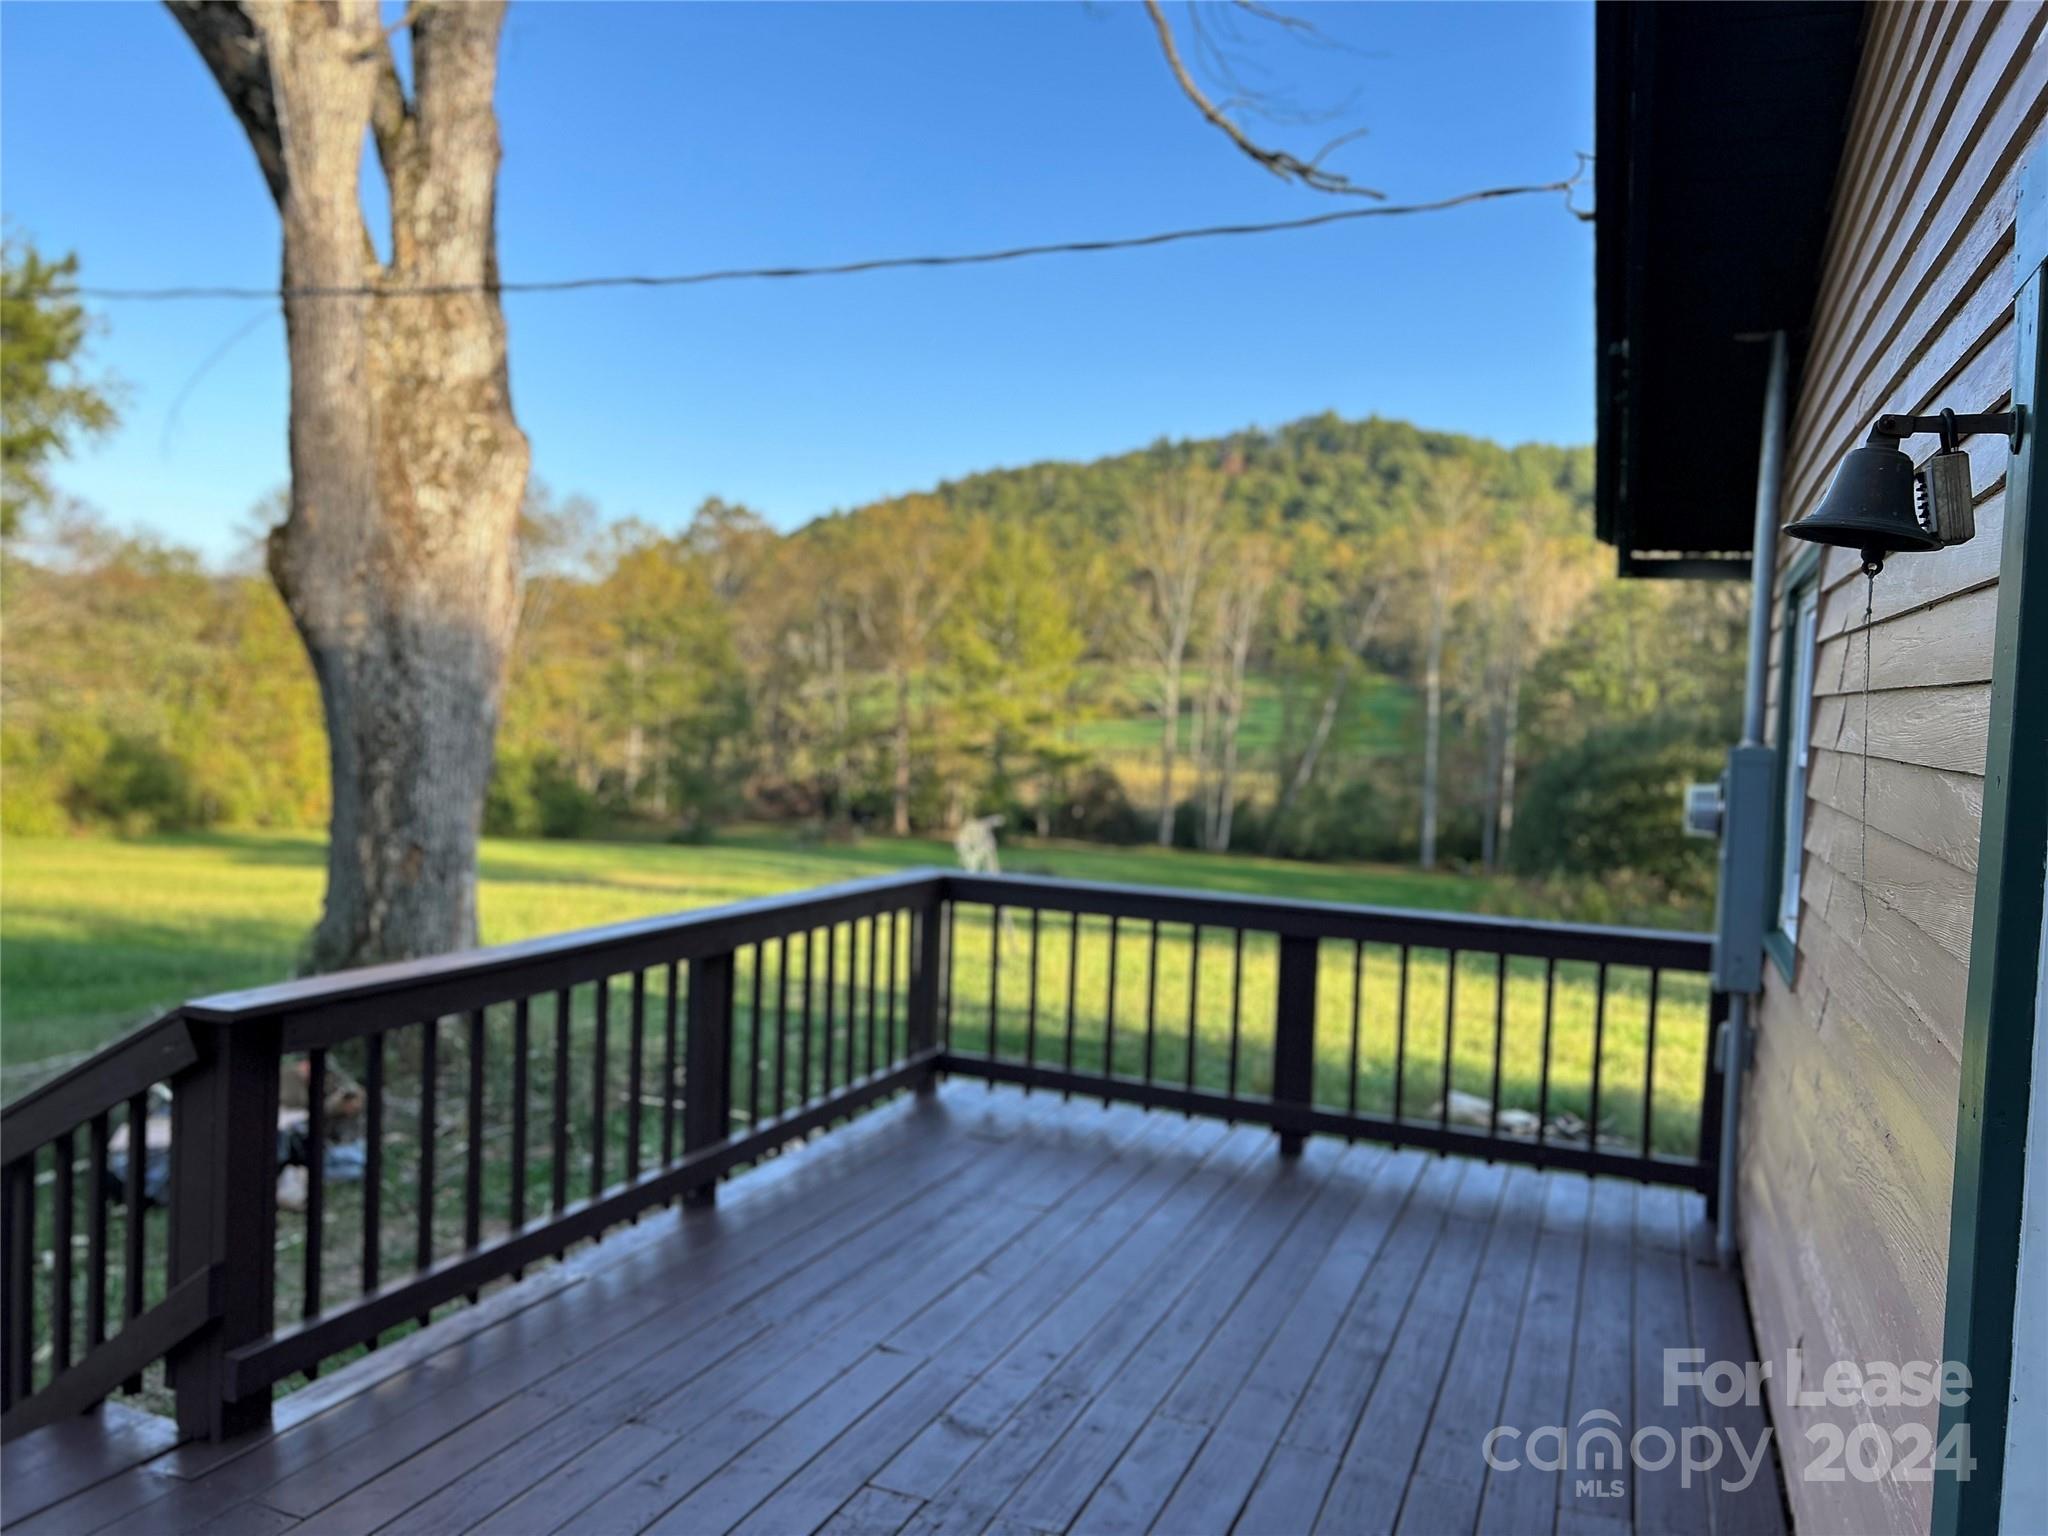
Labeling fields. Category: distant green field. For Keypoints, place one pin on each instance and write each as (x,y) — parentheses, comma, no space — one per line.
(1374,722)
(98,934)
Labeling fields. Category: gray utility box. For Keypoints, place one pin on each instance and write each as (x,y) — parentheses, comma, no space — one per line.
(1748,801)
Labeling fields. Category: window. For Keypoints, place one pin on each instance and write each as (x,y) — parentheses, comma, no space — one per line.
(1795,733)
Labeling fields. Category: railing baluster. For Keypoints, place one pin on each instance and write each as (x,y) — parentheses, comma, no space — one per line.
(782,1027)
(600,1082)
(373,1161)
(754,1040)
(945,958)
(316,1181)
(96,1232)
(874,969)
(1500,1034)
(558,1174)
(1073,992)
(889,1027)
(995,971)
(473,1121)
(63,1196)
(830,1044)
(1031,1000)
(1151,995)
(1401,1035)
(852,1003)
(423,1214)
(1443,1110)
(668,1067)
(1357,991)
(636,1054)
(1194,988)
(803,1095)
(1599,1037)
(135,1231)
(18,1239)
(1236,1004)
(1543,1077)
(1109,1020)
(1650,1059)
(522,1045)
(850,996)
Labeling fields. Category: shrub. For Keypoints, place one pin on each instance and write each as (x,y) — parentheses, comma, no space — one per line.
(1612,802)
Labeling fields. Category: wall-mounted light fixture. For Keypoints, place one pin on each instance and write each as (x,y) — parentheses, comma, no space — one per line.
(1880,505)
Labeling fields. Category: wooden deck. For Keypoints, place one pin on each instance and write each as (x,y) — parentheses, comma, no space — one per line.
(979,1311)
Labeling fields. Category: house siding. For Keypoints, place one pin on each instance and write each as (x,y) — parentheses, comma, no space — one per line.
(1848,1139)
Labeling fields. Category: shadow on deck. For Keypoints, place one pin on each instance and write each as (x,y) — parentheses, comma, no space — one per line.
(978,1310)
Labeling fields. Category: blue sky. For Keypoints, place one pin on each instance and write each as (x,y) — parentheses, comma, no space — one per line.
(668,137)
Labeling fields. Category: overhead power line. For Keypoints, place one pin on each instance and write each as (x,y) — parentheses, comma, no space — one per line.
(1563,188)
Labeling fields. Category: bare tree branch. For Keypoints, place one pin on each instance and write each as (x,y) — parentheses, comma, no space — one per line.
(233,51)
(1282,164)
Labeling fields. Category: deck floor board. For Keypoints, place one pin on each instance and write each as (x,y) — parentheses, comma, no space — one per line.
(991,1312)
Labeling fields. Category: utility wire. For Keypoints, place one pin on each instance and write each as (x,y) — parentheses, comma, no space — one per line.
(1563,188)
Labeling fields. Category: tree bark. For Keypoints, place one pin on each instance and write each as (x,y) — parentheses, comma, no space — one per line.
(1507,766)
(1169,748)
(899,818)
(1433,715)
(1311,755)
(1489,826)
(398,559)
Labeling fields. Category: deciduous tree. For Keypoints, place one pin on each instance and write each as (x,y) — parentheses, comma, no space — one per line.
(399,557)
(1174,524)
(47,402)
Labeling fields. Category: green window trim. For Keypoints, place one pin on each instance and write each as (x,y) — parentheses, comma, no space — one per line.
(1795,659)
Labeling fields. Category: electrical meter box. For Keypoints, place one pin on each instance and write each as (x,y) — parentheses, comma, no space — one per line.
(1748,798)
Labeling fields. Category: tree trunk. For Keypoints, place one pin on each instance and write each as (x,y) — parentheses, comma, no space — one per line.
(1489,824)
(399,557)
(1169,749)
(1507,765)
(1232,722)
(1432,737)
(842,715)
(1305,768)
(899,817)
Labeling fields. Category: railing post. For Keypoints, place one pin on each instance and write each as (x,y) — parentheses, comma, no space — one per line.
(1294,1041)
(224,1215)
(707,1064)
(927,966)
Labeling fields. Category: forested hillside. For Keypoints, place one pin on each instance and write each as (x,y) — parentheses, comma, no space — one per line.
(1337,639)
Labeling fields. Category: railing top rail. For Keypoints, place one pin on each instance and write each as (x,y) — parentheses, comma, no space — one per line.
(1338,920)
(738,922)
(145,1055)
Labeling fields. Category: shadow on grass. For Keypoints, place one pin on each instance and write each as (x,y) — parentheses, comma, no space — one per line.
(70,993)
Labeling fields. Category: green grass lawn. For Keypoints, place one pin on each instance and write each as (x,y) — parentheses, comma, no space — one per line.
(97,935)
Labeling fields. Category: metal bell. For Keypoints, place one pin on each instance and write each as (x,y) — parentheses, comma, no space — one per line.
(1872,507)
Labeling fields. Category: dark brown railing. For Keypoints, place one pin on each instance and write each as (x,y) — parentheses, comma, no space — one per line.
(470,1117)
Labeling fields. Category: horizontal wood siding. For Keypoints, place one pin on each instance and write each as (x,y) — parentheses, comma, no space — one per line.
(1847,1153)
